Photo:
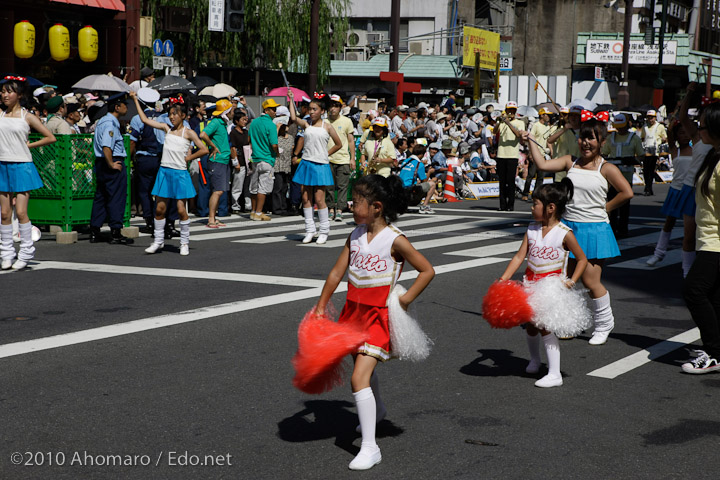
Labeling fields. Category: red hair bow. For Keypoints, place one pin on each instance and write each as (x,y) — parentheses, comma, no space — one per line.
(318,95)
(12,77)
(588,115)
(179,100)
(705,101)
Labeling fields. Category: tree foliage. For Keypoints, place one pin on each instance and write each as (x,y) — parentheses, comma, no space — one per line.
(277,33)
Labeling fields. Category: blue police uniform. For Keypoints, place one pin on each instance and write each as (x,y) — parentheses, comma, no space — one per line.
(147,160)
(111,190)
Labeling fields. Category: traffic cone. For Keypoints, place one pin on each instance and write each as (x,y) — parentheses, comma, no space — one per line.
(449,191)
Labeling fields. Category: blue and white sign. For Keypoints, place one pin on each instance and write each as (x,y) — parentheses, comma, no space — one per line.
(485,189)
(168,48)
(157,47)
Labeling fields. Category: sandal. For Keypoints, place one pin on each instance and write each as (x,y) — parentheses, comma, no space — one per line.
(212,225)
(220,224)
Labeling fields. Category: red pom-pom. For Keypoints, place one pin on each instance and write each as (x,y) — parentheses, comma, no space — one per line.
(322,345)
(505,305)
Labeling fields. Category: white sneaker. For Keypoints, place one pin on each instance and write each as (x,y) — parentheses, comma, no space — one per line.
(322,238)
(366,459)
(533,367)
(7,263)
(548,381)
(654,260)
(154,247)
(338,217)
(429,211)
(185,249)
(19,264)
(599,338)
(308,237)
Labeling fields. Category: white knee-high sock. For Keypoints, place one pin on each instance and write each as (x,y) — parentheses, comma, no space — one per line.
(662,244)
(687,260)
(7,250)
(27,250)
(552,349)
(159,231)
(603,317)
(309,220)
(533,343)
(365,401)
(324,219)
(185,232)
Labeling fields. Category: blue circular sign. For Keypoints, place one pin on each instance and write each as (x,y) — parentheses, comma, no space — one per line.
(157,47)
(168,48)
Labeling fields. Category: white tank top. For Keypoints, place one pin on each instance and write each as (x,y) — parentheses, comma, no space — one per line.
(546,255)
(372,271)
(315,147)
(699,152)
(589,197)
(174,151)
(13,138)
(680,170)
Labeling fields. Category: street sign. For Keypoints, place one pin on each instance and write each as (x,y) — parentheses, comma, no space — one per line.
(168,48)
(599,75)
(157,47)
(216,15)
(168,61)
(157,62)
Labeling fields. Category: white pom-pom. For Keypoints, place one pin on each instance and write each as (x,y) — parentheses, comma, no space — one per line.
(407,339)
(558,309)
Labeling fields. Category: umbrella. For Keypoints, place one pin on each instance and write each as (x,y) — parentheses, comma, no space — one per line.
(102,83)
(584,103)
(527,111)
(379,92)
(219,90)
(282,92)
(202,82)
(171,84)
(32,82)
(548,106)
(496,106)
(208,98)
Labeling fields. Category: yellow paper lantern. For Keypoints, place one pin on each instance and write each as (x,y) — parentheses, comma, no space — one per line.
(59,38)
(24,39)
(88,44)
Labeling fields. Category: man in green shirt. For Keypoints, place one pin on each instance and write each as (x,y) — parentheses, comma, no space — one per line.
(215,135)
(264,142)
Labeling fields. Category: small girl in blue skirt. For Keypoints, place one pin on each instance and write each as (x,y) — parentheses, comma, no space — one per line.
(587,213)
(314,172)
(18,174)
(173,179)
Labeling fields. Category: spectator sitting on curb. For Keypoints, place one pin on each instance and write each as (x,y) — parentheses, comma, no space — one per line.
(412,173)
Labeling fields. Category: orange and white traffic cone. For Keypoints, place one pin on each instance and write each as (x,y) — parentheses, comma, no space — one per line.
(449,191)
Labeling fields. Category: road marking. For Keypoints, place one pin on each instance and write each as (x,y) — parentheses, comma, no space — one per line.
(642,357)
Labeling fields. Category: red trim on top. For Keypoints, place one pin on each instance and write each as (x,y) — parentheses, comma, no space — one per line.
(116,5)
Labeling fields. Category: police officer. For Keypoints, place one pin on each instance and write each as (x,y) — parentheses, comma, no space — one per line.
(110,173)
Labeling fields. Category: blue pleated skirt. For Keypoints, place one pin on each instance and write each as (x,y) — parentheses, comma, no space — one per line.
(595,238)
(671,205)
(18,177)
(313,174)
(686,202)
(172,183)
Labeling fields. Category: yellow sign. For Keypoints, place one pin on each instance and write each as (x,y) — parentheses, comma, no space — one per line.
(477,40)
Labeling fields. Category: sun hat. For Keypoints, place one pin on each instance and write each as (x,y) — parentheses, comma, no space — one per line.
(54,104)
(619,120)
(270,103)
(440,116)
(337,99)
(379,122)
(565,110)
(447,144)
(651,113)
(434,145)
(282,111)
(464,148)
(509,105)
(544,111)
(222,106)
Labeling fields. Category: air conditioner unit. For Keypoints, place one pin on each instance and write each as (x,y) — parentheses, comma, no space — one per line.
(356,38)
(374,38)
(356,54)
(415,48)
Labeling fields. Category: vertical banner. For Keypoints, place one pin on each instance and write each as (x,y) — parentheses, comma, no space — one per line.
(216,16)
(484,42)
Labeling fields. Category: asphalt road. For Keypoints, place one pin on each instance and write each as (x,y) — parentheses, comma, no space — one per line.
(117,364)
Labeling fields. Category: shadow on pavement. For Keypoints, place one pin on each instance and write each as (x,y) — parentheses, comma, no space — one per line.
(504,364)
(684,431)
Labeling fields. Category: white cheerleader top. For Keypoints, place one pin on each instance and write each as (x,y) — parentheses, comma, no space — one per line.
(372,271)
(174,150)
(546,255)
(315,146)
(589,196)
(13,138)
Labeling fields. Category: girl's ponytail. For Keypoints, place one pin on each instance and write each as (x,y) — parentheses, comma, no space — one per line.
(559,193)
(567,186)
(388,191)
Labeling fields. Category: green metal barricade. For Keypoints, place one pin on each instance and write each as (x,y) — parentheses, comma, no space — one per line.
(67,171)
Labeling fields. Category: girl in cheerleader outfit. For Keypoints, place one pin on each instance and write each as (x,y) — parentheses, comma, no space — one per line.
(374,256)
(314,172)
(546,245)
(18,174)
(173,179)
(587,213)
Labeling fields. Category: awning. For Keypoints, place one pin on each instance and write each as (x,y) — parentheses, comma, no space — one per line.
(116,5)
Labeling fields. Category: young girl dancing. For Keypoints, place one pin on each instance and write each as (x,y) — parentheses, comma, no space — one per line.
(373,255)
(173,180)
(314,172)
(18,174)
(546,245)
(587,213)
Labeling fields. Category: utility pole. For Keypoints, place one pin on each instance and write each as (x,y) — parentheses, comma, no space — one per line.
(314,27)
(659,83)
(395,39)
(623,98)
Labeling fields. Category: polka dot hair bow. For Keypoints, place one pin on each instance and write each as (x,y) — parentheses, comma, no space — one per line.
(588,115)
(12,77)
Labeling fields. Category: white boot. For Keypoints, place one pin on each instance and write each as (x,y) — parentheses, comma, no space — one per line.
(185,237)
(660,249)
(309,224)
(380,410)
(687,260)
(604,320)
(369,455)
(552,349)
(27,250)
(534,348)
(158,237)
(7,249)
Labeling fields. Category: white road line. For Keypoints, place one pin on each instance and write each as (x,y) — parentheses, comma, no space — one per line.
(642,357)
(177,273)
(160,321)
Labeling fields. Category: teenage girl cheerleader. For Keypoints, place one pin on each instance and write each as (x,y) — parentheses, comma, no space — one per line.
(546,246)
(314,172)
(587,213)
(173,180)
(18,174)
(374,256)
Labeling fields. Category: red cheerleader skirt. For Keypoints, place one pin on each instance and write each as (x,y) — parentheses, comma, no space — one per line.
(373,321)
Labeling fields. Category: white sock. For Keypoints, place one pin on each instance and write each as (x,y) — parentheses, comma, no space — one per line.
(185,232)
(310,220)
(27,250)
(365,401)
(324,219)
(687,260)
(662,244)
(552,350)
(159,236)
(7,250)
(533,343)
(604,319)
(380,409)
